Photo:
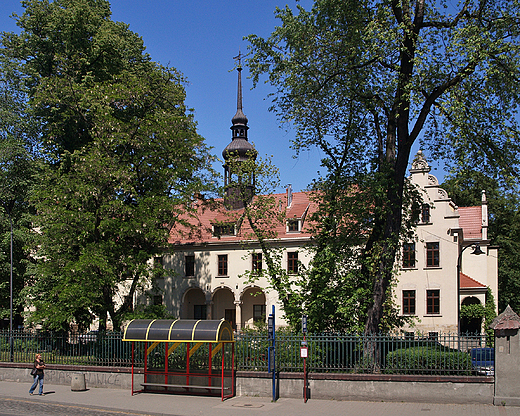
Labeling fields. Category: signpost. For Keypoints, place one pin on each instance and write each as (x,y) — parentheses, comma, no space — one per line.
(271,350)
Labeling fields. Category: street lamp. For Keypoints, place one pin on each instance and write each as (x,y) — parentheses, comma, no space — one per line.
(10,285)
(477,251)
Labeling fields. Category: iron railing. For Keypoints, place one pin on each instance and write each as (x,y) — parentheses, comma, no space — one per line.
(328,353)
(387,354)
(93,348)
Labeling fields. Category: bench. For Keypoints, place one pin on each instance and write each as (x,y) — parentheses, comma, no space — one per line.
(183,386)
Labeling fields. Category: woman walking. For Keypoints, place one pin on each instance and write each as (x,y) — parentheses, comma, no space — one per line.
(37,373)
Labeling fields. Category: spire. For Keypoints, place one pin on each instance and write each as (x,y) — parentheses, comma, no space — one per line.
(238,188)
(239,118)
(239,146)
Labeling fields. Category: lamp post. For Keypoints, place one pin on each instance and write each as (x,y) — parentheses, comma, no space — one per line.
(10,284)
(477,251)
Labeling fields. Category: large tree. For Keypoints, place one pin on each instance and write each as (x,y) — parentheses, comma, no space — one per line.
(122,156)
(17,169)
(445,75)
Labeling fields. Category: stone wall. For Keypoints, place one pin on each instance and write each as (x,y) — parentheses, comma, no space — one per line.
(370,387)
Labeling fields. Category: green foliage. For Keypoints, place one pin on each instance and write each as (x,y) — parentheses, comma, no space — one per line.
(121,152)
(149,312)
(17,173)
(366,80)
(489,315)
(429,360)
(474,311)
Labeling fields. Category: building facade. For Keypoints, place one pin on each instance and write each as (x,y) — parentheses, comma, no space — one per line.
(209,264)
(442,268)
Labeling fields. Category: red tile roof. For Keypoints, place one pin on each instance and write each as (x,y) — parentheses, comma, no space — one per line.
(207,214)
(471,222)
(506,320)
(467,282)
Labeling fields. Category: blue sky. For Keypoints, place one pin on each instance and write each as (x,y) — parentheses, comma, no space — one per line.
(200,38)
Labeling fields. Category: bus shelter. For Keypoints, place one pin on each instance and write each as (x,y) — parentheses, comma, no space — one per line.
(184,356)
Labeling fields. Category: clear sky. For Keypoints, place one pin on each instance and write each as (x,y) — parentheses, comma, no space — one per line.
(200,38)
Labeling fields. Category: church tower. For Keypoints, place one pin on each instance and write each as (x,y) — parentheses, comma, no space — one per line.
(239,185)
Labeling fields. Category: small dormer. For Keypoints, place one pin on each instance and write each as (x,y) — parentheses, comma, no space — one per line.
(221,229)
(296,217)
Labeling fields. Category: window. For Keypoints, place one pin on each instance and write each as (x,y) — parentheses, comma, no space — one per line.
(433,302)
(223,230)
(293,225)
(408,302)
(292,262)
(199,312)
(189,266)
(157,299)
(257,263)
(425,213)
(259,313)
(408,255)
(222,265)
(157,262)
(432,254)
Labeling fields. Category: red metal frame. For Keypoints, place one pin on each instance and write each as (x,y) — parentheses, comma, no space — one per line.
(189,374)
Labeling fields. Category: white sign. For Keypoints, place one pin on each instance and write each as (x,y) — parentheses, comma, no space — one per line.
(304,352)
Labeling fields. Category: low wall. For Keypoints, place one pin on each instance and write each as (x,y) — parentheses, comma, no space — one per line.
(365,387)
(372,387)
(113,377)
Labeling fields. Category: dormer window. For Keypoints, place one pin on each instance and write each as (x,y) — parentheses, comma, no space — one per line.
(293,225)
(223,230)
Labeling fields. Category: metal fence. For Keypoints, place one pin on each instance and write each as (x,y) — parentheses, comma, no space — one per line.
(93,348)
(334,353)
(328,353)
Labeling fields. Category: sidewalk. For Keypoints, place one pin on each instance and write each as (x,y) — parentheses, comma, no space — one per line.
(179,405)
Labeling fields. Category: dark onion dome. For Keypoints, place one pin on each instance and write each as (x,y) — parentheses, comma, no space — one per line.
(239,148)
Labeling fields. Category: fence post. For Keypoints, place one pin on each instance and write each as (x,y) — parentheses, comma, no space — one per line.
(507,358)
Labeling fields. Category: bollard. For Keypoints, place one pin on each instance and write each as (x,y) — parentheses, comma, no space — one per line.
(78,382)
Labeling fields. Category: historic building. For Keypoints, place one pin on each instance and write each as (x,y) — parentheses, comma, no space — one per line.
(449,259)
(207,264)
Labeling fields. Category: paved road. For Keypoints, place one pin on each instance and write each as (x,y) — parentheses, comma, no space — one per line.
(30,407)
(61,401)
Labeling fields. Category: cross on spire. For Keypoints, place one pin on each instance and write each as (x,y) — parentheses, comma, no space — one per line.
(239,58)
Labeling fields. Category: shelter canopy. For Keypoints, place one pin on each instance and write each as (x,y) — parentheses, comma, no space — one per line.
(180,330)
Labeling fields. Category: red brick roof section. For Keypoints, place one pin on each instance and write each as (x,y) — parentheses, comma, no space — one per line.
(467,282)
(207,215)
(471,222)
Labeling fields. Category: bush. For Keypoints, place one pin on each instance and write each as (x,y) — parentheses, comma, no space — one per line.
(428,360)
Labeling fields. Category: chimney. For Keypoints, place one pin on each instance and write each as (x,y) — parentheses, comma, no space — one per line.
(289,195)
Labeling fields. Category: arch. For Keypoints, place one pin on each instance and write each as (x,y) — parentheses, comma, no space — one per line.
(470,325)
(223,305)
(253,305)
(194,304)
